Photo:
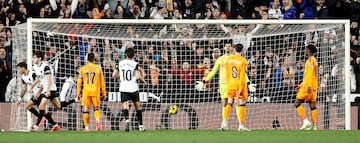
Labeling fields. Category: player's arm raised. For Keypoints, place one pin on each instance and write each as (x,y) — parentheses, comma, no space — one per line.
(102,85)
(79,84)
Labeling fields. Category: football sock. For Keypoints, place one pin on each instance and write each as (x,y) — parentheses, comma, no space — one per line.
(242,112)
(97,114)
(227,112)
(34,111)
(139,116)
(301,112)
(41,114)
(50,119)
(313,113)
(125,114)
(86,118)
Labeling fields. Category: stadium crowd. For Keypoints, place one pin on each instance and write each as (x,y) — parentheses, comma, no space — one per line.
(172,67)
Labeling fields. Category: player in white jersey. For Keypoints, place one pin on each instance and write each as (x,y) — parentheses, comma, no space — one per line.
(28,79)
(129,72)
(68,92)
(46,77)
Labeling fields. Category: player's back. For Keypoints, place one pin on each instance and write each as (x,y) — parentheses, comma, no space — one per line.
(128,81)
(235,68)
(93,79)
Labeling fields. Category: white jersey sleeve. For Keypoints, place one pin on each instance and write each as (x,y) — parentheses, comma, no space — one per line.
(128,81)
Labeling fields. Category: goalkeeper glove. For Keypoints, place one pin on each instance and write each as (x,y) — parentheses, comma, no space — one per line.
(200,85)
(251,87)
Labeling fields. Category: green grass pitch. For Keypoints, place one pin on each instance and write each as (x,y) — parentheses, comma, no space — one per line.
(182,136)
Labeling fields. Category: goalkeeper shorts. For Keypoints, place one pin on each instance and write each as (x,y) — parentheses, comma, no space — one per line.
(243,94)
(223,91)
(90,100)
(302,94)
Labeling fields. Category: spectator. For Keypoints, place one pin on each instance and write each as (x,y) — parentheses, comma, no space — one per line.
(206,65)
(216,13)
(356,67)
(22,14)
(161,12)
(119,13)
(321,10)
(110,83)
(289,9)
(115,57)
(177,14)
(215,55)
(82,10)
(132,11)
(275,10)
(187,74)
(243,8)
(305,9)
(5,73)
(108,14)
(188,10)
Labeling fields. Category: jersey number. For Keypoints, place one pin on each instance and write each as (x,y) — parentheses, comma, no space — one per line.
(234,72)
(127,75)
(90,75)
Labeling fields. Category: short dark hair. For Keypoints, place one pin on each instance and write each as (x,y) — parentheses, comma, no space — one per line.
(91,57)
(22,65)
(40,54)
(227,41)
(238,47)
(312,48)
(130,52)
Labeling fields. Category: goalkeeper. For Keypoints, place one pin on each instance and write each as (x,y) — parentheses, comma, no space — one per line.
(220,66)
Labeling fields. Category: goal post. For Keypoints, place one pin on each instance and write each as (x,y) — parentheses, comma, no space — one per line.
(176,43)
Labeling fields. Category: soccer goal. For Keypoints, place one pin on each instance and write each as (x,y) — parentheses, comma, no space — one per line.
(174,54)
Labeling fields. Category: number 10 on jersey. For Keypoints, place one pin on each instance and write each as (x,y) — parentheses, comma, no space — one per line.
(126,75)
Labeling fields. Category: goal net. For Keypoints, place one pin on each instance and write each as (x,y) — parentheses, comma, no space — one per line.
(173,55)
